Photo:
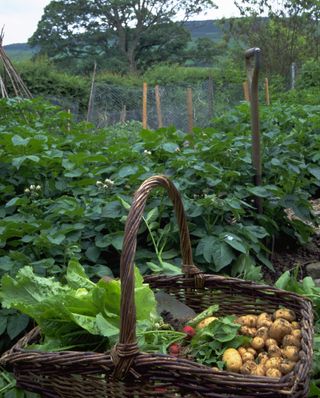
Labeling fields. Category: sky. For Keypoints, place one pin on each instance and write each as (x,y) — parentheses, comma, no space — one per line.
(20,17)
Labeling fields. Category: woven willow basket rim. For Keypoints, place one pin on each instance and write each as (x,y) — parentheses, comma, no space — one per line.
(126,362)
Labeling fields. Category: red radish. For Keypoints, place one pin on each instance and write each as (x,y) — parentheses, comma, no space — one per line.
(174,349)
(189,331)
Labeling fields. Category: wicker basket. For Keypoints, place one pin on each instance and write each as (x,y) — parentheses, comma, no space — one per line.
(126,372)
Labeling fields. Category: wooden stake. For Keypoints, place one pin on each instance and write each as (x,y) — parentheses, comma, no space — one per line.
(266,84)
(246,91)
(190,110)
(144,106)
(90,103)
(123,114)
(158,105)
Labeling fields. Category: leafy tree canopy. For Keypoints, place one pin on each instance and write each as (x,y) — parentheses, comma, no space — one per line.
(286,31)
(122,28)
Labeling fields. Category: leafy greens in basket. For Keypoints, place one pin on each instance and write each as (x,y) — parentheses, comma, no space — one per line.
(80,314)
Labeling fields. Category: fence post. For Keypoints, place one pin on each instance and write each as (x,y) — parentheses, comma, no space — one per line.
(210,97)
(158,106)
(246,91)
(123,114)
(90,104)
(144,106)
(189,110)
(266,85)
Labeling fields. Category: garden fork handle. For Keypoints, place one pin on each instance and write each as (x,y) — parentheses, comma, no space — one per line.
(252,57)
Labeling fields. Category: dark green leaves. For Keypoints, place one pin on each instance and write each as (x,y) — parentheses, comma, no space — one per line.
(215,252)
(17,325)
(209,343)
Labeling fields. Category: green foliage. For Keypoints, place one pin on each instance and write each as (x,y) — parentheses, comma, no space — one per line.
(222,75)
(77,315)
(123,30)
(209,343)
(309,75)
(204,51)
(66,189)
(43,79)
(72,215)
(271,26)
(162,42)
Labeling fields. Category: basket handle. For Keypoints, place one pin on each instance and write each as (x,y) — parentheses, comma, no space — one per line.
(124,352)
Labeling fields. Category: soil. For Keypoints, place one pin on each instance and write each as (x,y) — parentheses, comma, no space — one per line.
(291,257)
(288,256)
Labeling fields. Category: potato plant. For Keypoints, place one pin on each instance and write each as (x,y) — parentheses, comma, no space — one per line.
(66,188)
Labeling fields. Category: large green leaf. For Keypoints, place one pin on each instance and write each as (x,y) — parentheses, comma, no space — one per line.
(222,255)
(18,140)
(16,325)
(235,242)
(127,171)
(77,277)
(215,251)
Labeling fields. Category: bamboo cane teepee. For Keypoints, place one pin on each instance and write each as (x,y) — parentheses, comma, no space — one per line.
(18,86)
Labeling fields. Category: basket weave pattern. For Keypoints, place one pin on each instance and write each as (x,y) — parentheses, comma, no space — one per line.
(124,371)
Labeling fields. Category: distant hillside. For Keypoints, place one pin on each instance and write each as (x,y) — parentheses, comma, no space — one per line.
(209,28)
(19,51)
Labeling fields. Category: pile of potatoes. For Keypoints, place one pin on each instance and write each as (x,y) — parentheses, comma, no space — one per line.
(274,348)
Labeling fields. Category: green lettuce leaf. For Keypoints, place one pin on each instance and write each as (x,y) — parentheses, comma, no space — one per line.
(79,312)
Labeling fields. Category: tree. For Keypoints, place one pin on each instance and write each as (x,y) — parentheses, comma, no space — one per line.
(286,31)
(66,25)
(205,51)
(162,42)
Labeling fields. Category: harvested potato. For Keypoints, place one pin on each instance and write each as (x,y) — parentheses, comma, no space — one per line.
(246,331)
(297,333)
(285,313)
(247,320)
(274,348)
(215,369)
(286,366)
(290,339)
(270,342)
(273,363)
(264,319)
(242,350)
(253,351)
(262,358)
(274,373)
(279,329)
(259,370)
(274,351)
(233,360)
(291,352)
(263,332)
(205,322)
(248,367)
(247,356)
(257,343)
(295,325)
